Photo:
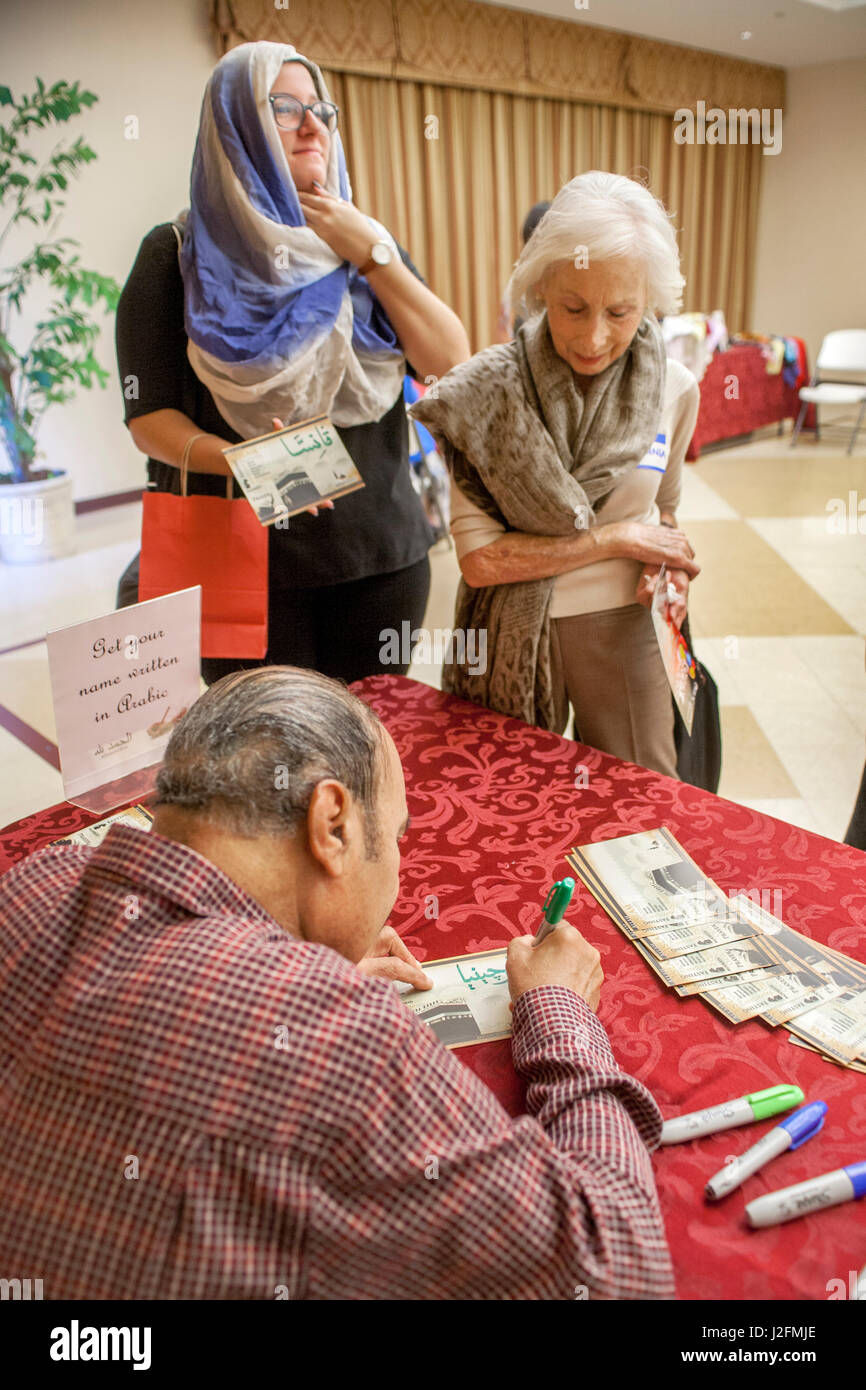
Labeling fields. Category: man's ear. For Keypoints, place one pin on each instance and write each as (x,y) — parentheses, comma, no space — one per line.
(328,828)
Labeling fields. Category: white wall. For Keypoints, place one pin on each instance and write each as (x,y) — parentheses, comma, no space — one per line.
(150,60)
(810,272)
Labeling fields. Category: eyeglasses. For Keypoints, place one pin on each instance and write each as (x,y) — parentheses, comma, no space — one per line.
(290,114)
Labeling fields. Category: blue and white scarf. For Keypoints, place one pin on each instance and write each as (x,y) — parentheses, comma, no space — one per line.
(277,323)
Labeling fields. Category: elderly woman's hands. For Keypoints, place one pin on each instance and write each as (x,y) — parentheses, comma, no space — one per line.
(677,607)
(652,545)
(655,546)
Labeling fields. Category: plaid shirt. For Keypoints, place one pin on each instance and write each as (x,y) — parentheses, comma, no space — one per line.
(195,1104)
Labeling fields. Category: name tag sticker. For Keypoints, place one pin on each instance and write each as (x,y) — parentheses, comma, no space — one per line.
(657,457)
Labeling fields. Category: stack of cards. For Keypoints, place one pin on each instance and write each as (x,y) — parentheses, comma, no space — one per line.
(731,951)
(137,816)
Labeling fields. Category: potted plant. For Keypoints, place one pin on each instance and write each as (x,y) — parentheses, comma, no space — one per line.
(36,506)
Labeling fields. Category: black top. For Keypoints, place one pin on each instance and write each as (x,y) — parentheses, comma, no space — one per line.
(378,529)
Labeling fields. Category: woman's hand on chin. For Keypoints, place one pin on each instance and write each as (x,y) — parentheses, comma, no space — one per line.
(327,503)
(346,230)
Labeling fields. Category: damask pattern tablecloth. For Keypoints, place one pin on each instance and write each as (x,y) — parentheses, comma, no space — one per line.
(495,806)
(738,396)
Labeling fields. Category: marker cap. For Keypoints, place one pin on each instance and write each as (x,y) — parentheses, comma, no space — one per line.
(774,1100)
(857,1174)
(804,1123)
(557,900)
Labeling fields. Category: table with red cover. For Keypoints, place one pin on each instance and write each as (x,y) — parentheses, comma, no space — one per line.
(759,398)
(495,808)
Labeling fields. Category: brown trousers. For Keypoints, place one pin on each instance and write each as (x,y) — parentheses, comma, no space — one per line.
(617,685)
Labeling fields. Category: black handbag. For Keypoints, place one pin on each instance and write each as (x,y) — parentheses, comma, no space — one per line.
(699,755)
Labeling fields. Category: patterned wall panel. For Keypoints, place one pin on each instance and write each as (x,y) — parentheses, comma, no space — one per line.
(353,35)
(460,42)
(575,61)
(492,48)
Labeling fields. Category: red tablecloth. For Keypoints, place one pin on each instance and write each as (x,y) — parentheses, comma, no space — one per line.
(739,395)
(494,810)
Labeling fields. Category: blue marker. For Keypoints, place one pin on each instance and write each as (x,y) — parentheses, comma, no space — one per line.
(790,1134)
(829,1190)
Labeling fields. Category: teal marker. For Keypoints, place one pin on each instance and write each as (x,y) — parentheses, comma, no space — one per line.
(745,1110)
(555,905)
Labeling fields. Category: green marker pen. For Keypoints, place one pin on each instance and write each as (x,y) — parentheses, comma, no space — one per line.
(760,1105)
(554,908)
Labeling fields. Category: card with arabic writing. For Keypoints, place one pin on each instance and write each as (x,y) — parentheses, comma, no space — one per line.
(469,999)
(291,469)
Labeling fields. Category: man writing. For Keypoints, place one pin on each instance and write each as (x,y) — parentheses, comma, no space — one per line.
(209,1094)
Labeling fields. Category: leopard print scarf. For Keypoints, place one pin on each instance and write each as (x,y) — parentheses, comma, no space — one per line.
(537,455)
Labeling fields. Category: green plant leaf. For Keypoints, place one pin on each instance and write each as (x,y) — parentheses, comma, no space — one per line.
(60,359)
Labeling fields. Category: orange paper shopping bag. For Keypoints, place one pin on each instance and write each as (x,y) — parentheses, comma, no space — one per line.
(219,544)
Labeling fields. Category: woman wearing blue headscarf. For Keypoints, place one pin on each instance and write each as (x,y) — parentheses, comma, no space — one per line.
(276,299)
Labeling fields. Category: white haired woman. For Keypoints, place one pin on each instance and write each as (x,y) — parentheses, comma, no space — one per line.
(566,448)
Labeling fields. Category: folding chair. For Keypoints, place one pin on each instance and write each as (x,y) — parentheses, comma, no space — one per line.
(841,351)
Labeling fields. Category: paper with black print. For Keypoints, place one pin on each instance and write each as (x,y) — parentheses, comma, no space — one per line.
(665,905)
(837,1028)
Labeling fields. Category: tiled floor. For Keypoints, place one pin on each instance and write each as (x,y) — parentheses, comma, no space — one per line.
(778,615)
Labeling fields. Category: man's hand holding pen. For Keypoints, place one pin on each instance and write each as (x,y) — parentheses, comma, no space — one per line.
(557,954)
(563,958)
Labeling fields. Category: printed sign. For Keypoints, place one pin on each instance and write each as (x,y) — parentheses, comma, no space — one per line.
(120,684)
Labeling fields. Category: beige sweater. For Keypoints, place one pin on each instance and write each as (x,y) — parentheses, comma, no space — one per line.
(653,487)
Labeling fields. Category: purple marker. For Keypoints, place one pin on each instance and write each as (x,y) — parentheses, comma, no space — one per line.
(797,1129)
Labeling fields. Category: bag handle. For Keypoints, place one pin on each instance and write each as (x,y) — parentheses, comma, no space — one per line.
(184,463)
(184,468)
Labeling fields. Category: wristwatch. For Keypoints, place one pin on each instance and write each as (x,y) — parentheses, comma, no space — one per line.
(380,254)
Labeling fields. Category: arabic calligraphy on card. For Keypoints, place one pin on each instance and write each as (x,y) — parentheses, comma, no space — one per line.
(291,469)
(469,999)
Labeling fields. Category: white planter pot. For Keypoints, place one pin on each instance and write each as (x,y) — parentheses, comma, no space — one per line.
(37,520)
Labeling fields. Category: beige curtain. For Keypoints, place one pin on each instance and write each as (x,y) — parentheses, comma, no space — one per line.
(452,173)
